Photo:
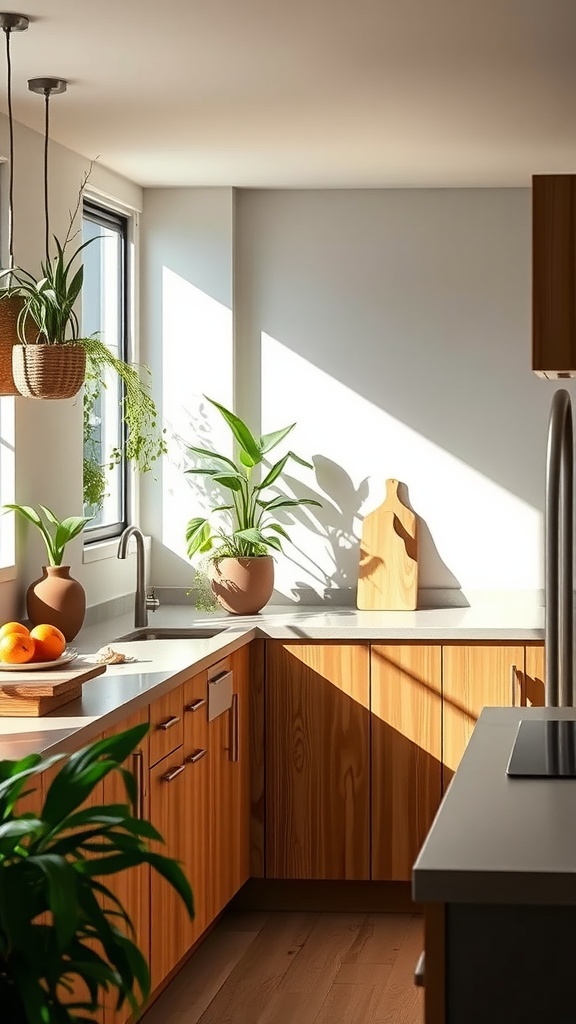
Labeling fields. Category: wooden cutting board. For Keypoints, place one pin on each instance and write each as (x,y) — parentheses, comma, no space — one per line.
(388,572)
(34,693)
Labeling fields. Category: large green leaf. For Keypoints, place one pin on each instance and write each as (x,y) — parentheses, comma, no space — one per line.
(213,456)
(269,441)
(241,432)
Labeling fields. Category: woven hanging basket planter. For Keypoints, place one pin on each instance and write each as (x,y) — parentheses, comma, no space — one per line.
(48,371)
(10,307)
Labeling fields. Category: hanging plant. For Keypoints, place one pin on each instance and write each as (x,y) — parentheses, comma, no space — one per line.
(145,438)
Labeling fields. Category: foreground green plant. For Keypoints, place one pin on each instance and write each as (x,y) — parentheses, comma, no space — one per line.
(58,922)
(247,527)
(56,533)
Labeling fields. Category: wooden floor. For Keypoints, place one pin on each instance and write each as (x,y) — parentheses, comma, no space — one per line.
(299,968)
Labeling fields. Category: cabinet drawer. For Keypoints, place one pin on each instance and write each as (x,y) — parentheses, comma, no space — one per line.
(166,724)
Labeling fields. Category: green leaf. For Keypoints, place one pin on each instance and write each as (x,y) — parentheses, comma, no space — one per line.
(214,456)
(278,529)
(62,895)
(197,535)
(273,542)
(269,441)
(273,473)
(241,432)
(233,483)
(281,502)
(301,462)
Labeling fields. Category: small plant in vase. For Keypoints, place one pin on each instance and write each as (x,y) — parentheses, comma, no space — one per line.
(55,598)
(243,533)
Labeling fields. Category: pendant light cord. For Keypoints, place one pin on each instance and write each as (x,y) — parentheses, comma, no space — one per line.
(46,134)
(7,32)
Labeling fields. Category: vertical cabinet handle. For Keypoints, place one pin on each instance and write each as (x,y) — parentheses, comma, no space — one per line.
(513,680)
(234,728)
(138,771)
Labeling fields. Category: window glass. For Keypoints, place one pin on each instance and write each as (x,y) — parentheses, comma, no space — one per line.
(104,309)
(7,476)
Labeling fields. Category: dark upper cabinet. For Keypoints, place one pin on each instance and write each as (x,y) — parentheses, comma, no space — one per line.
(554,275)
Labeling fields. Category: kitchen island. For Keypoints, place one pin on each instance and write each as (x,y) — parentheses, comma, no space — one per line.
(497,877)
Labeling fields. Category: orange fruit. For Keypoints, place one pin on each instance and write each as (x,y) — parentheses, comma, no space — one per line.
(49,642)
(13,627)
(15,648)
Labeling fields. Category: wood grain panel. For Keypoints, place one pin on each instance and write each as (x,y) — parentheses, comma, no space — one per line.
(230,803)
(197,861)
(317,761)
(169,920)
(475,676)
(131,887)
(406,721)
(257,763)
(164,736)
(534,689)
(554,275)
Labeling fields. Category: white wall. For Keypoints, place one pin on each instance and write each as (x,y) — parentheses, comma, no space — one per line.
(186,317)
(394,327)
(49,434)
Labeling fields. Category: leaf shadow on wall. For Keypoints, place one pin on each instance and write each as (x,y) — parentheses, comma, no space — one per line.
(339,522)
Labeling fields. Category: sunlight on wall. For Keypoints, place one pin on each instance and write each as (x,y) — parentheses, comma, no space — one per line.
(197,361)
(7,480)
(473,532)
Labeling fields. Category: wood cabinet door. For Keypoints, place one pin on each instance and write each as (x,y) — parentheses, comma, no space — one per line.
(533,687)
(317,761)
(197,862)
(131,887)
(406,722)
(553,279)
(230,787)
(473,677)
(169,921)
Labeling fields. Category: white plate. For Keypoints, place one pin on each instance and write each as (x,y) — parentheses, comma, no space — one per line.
(35,666)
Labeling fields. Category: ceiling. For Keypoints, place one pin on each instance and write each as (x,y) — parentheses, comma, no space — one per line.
(307,93)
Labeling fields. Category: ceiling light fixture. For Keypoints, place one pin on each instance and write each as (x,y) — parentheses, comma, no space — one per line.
(47,87)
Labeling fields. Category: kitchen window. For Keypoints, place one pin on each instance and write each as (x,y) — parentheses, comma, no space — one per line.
(7,477)
(105,313)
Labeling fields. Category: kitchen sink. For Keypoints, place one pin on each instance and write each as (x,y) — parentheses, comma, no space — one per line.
(172,633)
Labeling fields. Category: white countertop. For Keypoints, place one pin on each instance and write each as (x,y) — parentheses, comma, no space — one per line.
(497,839)
(163,664)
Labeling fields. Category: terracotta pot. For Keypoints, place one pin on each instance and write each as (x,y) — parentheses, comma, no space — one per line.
(57,599)
(48,371)
(243,585)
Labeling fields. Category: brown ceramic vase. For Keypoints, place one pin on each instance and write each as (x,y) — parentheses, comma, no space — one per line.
(57,599)
(243,585)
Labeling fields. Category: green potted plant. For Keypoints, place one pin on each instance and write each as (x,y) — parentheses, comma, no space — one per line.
(59,921)
(243,531)
(144,437)
(55,597)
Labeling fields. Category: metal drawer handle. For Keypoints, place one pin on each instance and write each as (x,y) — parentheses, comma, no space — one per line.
(173,720)
(200,702)
(173,773)
(420,971)
(513,685)
(234,728)
(196,756)
(138,771)
(220,676)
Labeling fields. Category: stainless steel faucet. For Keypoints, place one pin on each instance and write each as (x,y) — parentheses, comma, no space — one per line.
(558,554)
(144,599)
